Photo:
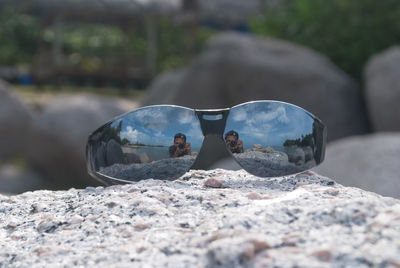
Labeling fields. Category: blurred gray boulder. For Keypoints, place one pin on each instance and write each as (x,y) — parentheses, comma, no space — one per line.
(370,162)
(165,87)
(16,180)
(59,135)
(382,79)
(14,123)
(236,68)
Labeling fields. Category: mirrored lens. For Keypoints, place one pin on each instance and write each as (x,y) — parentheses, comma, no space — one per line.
(270,139)
(158,142)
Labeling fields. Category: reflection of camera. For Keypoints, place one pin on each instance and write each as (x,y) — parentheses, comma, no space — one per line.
(181,146)
(233,143)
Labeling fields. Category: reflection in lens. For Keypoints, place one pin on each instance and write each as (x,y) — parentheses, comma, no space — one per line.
(159,142)
(270,139)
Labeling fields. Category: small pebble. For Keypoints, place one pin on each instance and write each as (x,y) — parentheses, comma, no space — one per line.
(254,196)
(76,219)
(141,226)
(214,183)
(39,207)
(332,191)
(324,255)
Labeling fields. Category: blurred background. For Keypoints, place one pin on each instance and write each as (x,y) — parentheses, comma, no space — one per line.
(68,66)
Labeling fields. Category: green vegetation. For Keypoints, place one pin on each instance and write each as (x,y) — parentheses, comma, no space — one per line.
(178,45)
(348,32)
(30,91)
(89,47)
(92,47)
(304,141)
(18,37)
(144,145)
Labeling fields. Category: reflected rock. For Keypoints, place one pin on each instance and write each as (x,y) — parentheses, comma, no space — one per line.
(109,153)
(237,67)
(129,158)
(144,158)
(308,153)
(296,155)
(164,169)
(114,153)
(259,148)
(270,164)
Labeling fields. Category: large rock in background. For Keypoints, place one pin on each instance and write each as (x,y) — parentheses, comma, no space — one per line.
(370,162)
(15,121)
(236,68)
(382,79)
(16,180)
(165,87)
(59,134)
(205,219)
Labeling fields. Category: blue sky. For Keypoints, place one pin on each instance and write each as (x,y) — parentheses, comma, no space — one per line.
(268,123)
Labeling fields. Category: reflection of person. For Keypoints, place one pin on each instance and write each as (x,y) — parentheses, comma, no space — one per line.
(180,147)
(233,143)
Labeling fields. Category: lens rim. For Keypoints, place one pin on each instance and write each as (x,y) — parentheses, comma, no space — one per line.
(210,130)
(276,101)
(90,163)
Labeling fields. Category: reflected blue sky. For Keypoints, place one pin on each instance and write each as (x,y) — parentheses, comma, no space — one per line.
(157,125)
(268,123)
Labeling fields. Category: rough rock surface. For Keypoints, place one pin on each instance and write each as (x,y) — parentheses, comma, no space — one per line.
(14,123)
(205,219)
(382,79)
(236,68)
(59,134)
(370,162)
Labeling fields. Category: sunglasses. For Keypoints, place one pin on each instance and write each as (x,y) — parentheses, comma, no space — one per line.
(265,138)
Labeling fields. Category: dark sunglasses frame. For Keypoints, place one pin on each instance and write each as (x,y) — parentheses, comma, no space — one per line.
(213,130)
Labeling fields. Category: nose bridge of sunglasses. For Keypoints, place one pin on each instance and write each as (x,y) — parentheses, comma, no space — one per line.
(212,122)
(211,152)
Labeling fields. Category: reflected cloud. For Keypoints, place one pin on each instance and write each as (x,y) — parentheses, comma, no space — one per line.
(158,125)
(135,136)
(154,118)
(239,115)
(185,118)
(278,114)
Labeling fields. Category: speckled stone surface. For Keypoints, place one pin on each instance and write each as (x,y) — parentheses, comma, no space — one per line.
(212,218)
